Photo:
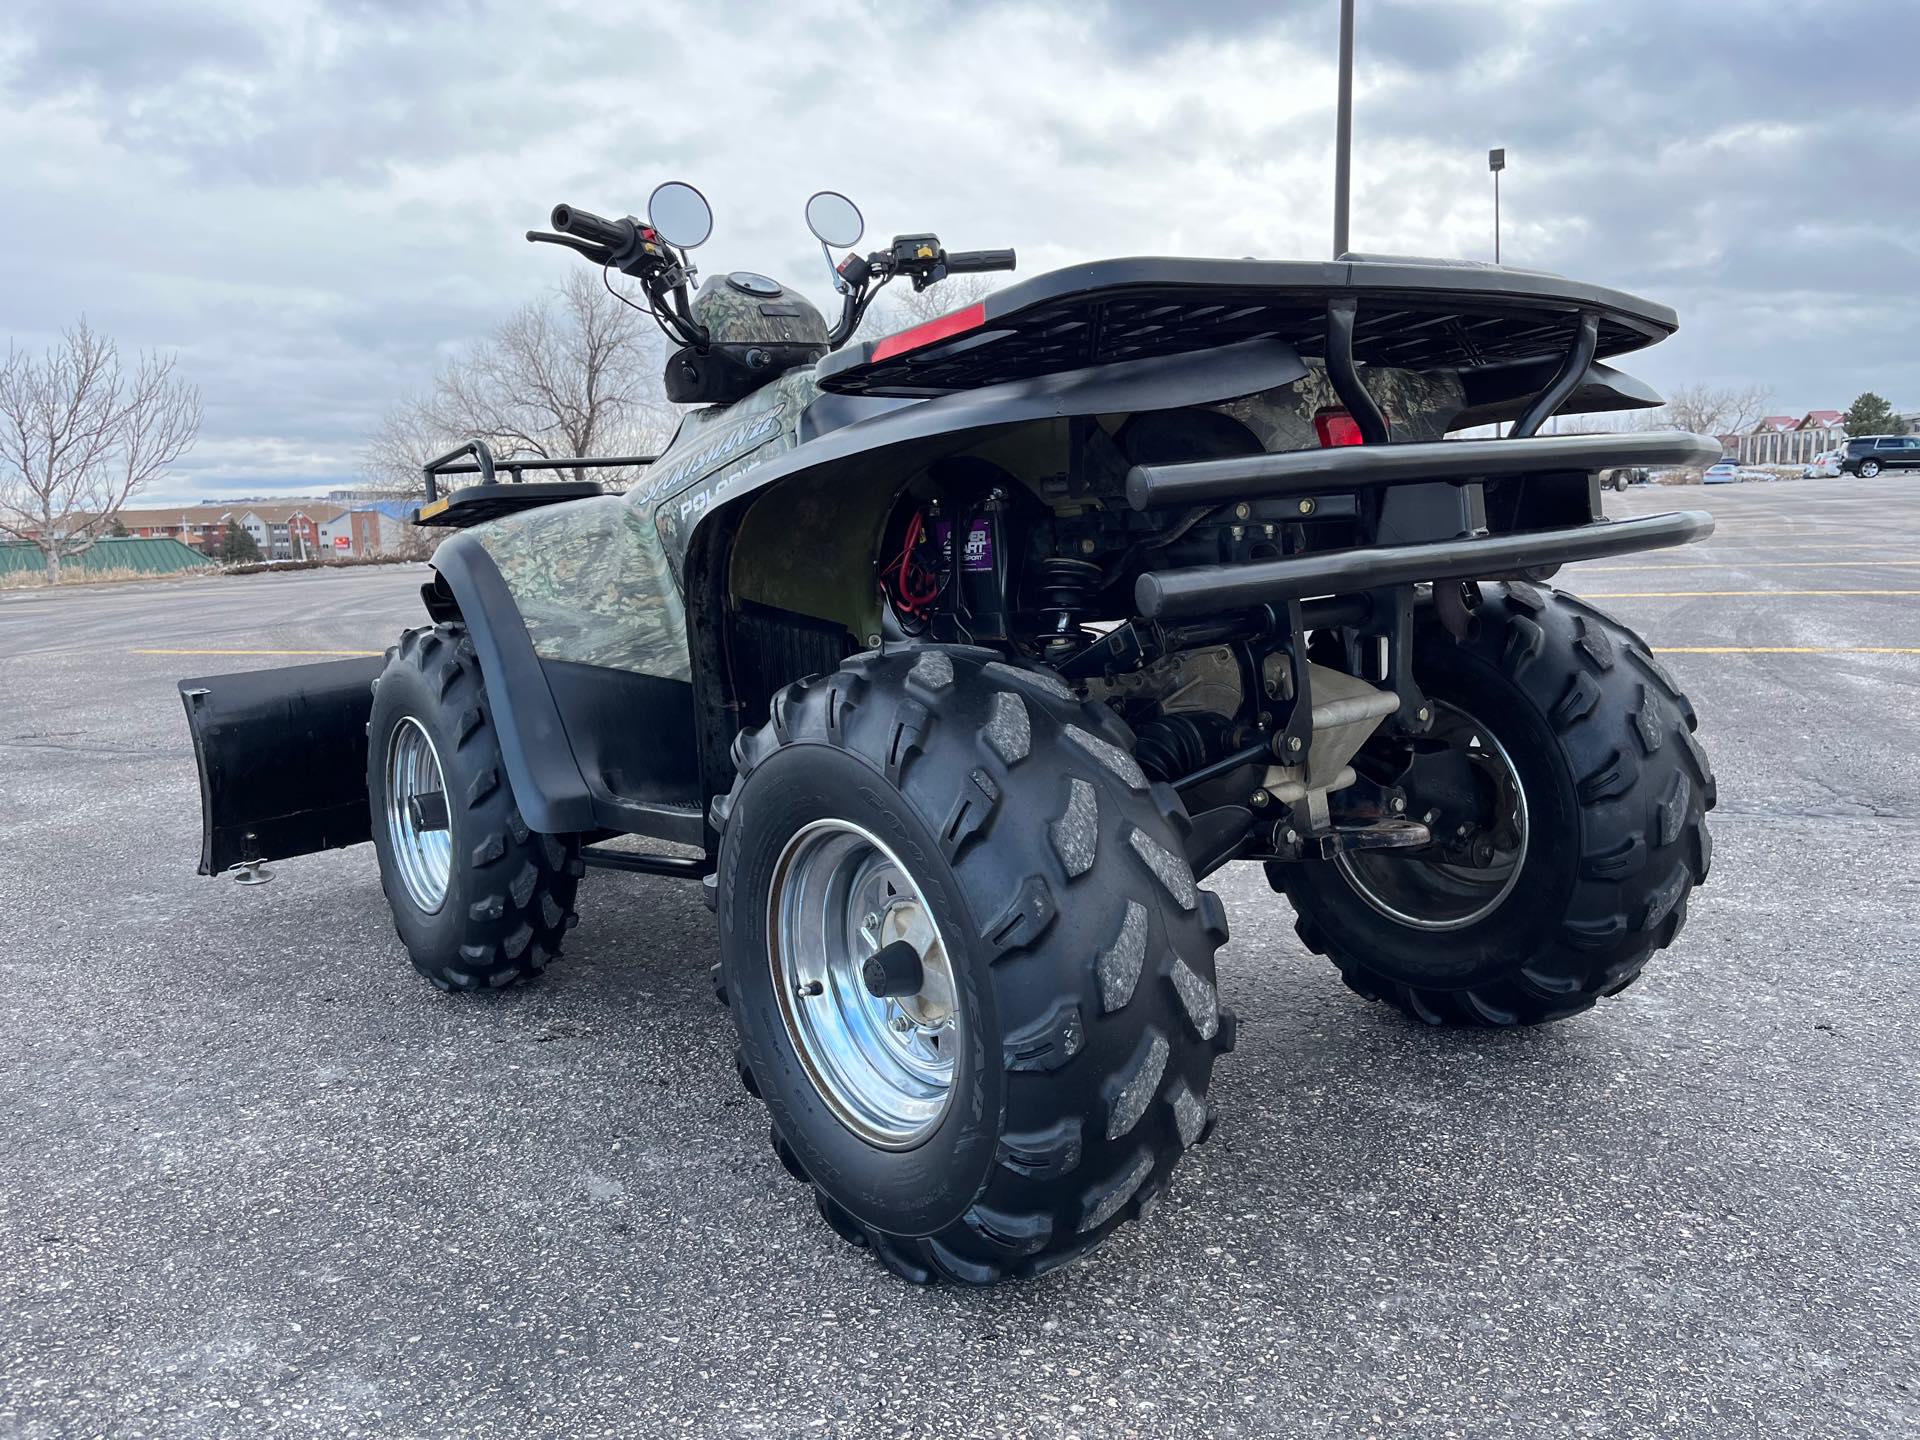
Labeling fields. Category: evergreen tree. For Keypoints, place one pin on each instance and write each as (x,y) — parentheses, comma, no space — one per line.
(1872,415)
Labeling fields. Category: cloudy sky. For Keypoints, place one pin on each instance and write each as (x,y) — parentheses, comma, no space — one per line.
(315,201)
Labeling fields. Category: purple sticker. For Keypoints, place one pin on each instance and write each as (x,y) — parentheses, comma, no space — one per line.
(978,558)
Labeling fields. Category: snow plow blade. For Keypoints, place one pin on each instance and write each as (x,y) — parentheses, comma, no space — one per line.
(282,756)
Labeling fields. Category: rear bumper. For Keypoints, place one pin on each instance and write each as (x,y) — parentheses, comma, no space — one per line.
(1370,467)
(1209,589)
(282,755)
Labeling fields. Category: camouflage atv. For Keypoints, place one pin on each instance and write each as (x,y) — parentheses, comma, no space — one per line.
(952,662)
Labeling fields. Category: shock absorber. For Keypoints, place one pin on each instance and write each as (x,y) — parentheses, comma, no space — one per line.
(1066,588)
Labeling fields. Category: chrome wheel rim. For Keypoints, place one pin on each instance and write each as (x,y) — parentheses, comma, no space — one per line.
(884,1065)
(423,857)
(1425,892)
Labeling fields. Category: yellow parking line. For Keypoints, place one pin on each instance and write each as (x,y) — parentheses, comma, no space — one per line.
(1786,649)
(1705,594)
(351,653)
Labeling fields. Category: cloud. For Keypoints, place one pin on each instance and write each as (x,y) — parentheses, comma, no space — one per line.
(317,201)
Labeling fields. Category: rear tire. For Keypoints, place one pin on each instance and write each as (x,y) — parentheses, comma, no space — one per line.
(489,906)
(1079,948)
(1869,468)
(1616,790)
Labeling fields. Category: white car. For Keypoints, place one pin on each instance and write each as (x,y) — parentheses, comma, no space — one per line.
(1723,472)
(1824,466)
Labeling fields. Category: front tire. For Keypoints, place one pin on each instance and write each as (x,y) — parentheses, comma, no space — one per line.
(479,900)
(1601,840)
(982,808)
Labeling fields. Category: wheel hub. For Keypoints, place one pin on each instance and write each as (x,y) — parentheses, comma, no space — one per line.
(883,1063)
(1478,848)
(416,814)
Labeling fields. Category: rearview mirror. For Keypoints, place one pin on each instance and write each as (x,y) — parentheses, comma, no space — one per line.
(680,215)
(835,220)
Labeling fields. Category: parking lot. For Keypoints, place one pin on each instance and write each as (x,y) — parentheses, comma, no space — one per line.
(260,1179)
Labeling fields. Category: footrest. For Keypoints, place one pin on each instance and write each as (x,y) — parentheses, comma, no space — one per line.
(477,503)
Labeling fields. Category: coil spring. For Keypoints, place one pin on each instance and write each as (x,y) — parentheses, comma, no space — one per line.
(1066,587)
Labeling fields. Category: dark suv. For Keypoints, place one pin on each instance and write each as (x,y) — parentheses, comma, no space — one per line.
(1870,454)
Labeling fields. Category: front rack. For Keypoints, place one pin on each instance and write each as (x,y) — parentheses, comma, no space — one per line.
(492,497)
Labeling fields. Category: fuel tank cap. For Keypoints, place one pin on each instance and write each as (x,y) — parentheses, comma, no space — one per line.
(749,283)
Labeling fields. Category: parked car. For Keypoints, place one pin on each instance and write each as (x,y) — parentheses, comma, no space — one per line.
(1621,479)
(1823,466)
(1868,455)
(1723,472)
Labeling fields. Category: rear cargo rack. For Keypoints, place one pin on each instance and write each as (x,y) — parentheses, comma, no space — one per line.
(1403,314)
(492,497)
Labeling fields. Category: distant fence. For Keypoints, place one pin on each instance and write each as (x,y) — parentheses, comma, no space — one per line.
(107,557)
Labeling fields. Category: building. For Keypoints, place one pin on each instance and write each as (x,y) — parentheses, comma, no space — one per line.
(202,526)
(296,529)
(285,530)
(366,529)
(1785,440)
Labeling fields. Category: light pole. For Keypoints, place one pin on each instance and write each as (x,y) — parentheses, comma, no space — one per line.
(1496,162)
(1343,133)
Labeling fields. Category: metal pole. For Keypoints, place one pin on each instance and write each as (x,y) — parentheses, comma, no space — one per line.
(1343,134)
(1496,162)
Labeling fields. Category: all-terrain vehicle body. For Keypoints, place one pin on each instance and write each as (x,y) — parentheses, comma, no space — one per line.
(954,661)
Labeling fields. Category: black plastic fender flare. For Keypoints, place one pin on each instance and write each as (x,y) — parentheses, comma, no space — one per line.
(545,777)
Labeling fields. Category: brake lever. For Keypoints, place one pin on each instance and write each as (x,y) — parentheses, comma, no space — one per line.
(599,254)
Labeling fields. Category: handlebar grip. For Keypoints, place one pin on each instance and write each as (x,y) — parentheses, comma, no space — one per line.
(962,262)
(571,220)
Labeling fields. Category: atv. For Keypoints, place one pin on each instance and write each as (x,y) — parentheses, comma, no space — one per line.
(952,662)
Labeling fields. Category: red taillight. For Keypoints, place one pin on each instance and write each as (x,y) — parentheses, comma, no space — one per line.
(1336,427)
(942,328)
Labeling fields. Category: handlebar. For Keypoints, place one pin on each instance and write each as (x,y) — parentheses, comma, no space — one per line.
(963,262)
(584,224)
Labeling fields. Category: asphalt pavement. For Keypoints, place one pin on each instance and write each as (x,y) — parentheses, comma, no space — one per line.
(258,1179)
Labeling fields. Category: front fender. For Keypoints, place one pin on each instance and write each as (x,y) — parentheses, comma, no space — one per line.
(547,784)
(587,746)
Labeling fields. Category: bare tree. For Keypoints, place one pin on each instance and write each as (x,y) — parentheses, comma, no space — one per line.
(575,373)
(1710,410)
(902,307)
(79,436)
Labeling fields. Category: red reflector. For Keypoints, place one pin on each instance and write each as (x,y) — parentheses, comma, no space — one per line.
(1336,427)
(941,328)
